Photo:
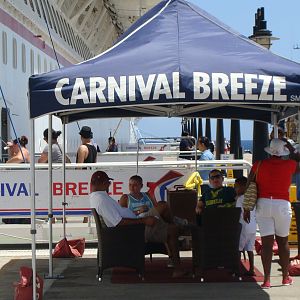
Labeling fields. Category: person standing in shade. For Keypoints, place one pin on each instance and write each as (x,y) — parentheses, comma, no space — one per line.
(248,233)
(86,153)
(56,149)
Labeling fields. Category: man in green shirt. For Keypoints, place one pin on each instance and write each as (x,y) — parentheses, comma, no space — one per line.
(217,195)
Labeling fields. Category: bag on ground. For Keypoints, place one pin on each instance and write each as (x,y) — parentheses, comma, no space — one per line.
(24,288)
(71,248)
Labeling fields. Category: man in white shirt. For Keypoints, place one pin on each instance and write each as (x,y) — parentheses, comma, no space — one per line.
(115,215)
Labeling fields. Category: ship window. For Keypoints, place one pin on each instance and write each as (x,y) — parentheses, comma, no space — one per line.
(39,63)
(23,58)
(31,61)
(31,4)
(4,47)
(45,65)
(37,7)
(15,54)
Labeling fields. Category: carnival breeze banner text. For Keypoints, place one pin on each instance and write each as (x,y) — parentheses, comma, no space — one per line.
(215,86)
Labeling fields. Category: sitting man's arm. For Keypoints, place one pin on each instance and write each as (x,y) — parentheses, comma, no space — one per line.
(199,207)
(124,200)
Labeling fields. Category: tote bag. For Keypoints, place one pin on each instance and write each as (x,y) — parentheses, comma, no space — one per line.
(250,197)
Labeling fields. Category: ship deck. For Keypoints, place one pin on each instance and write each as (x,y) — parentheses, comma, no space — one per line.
(80,282)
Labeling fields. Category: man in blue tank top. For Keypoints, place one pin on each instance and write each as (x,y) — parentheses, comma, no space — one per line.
(142,205)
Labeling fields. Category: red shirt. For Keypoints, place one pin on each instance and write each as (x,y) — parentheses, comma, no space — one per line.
(274,177)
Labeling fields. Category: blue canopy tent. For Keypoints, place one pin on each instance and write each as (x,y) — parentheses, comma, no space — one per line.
(175,61)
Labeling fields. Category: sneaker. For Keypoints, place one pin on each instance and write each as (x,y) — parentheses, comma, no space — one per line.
(287,281)
(180,221)
(266,285)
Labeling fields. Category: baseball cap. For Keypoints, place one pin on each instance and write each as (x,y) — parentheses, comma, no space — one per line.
(100,176)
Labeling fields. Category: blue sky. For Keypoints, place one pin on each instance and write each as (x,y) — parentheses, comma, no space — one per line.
(282,19)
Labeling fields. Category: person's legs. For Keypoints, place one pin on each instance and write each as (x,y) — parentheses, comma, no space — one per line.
(284,254)
(164,211)
(266,255)
(282,217)
(265,221)
(172,241)
(251,262)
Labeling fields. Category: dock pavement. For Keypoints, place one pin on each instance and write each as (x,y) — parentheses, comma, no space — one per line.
(79,282)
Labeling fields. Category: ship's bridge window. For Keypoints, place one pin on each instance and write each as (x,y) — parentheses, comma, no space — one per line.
(4,47)
(15,54)
(23,58)
(31,61)
(39,63)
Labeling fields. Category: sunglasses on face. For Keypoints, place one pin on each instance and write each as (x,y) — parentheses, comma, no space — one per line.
(215,176)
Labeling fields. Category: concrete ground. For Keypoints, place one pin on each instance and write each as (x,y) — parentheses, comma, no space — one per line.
(80,282)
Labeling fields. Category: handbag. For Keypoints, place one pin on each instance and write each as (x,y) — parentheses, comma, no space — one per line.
(250,196)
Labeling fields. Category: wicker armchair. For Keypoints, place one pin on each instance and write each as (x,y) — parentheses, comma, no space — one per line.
(121,246)
(216,242)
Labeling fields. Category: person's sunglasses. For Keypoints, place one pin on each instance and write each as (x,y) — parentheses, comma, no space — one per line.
(215,176)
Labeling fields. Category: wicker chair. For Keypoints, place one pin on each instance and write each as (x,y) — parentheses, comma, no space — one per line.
(216,242)
(121,246)
(182,203)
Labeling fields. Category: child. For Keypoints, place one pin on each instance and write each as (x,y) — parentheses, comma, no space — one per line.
(248,233)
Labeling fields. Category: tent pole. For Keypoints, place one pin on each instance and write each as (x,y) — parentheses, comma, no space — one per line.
(33,226)
(50,208)
(64,175)
(50,202)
